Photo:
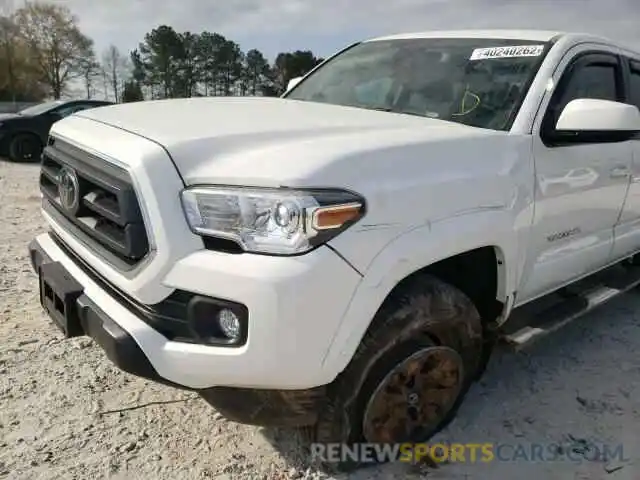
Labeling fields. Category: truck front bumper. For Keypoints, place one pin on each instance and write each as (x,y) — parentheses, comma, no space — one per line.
(275,378)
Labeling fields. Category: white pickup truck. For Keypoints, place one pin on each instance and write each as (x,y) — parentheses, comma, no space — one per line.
(344,258)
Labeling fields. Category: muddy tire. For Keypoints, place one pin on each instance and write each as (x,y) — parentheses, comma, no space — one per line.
(25,147)
(410,373)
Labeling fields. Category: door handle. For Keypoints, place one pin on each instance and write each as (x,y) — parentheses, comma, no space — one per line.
(619,172)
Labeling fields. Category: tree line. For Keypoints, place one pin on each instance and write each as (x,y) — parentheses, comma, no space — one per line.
(44,53)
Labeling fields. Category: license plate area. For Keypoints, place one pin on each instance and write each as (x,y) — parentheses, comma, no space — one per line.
(59,293)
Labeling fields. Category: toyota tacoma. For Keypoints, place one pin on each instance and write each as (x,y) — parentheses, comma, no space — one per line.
(345,257)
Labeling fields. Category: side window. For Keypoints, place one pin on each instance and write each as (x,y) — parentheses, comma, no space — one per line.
(595,76)
(634,84)
(66,111)
(80,107)
(594,81)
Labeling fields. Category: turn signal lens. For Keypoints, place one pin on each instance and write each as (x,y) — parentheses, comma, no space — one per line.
(328,218)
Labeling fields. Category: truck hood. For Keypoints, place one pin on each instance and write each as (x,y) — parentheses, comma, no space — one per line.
(272,141)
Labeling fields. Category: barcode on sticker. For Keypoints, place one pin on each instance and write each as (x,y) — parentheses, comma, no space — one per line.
(507,52)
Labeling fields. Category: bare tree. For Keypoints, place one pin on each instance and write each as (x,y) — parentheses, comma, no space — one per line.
(105,83)
(90,71)
(56,44)
(115,67)
(7,41)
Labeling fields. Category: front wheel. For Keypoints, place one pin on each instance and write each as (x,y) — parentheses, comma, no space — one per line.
(25,147)
(410,372)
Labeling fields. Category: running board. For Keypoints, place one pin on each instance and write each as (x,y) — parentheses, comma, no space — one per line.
(530,323)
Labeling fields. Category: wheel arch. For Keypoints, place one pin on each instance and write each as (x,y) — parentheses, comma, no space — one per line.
(6,147)
(24,131)
(484,242)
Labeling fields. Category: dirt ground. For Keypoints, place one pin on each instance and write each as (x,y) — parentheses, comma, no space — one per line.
(67,413)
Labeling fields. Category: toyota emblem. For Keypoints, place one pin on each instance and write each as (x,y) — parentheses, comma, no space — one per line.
(69,189)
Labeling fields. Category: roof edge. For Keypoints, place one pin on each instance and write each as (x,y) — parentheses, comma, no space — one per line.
(535,35)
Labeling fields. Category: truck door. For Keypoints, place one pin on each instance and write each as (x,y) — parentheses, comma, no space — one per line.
(580,186)
(627,231)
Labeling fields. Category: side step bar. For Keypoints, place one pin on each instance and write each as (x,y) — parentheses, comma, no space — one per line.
(531,325)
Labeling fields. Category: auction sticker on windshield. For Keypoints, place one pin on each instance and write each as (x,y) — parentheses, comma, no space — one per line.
(507,52)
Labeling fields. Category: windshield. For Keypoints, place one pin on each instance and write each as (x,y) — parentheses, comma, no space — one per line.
(40,108)
(478,82)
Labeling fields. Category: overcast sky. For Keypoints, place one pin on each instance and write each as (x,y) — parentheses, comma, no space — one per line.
(327,25)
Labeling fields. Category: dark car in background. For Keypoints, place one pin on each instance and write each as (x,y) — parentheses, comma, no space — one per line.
(24,134)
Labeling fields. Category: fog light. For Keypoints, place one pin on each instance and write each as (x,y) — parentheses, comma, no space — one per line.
(229,323)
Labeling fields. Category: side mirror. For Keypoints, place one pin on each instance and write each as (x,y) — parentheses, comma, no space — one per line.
(293,82)
(591,115)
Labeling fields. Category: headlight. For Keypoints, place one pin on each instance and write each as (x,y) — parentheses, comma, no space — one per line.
(273,221)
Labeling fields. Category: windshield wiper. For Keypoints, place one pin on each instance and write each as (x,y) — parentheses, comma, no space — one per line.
(402,112)
(413,113)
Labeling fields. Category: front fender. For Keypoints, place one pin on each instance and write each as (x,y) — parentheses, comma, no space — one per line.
(414,250)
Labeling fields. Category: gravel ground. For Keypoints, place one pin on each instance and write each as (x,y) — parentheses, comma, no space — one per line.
(65,412)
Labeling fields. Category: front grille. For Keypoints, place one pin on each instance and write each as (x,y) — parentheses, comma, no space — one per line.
(105,215)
